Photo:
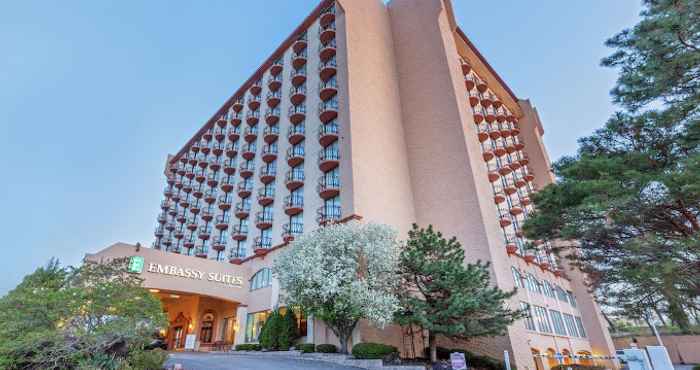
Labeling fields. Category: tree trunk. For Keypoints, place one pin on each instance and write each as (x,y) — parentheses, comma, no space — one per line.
(432,342)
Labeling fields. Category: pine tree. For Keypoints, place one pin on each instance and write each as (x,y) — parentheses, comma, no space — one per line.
(630,198)
(445,296)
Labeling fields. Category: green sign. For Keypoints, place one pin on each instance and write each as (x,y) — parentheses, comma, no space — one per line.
(136,264)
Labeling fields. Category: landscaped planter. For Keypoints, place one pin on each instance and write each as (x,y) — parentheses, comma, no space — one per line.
(335,358)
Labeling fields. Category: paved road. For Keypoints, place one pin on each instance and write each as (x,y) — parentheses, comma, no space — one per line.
(209,361)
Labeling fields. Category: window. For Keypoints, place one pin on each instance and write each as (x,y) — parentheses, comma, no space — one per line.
(542,319)
(529,322)
(561,294)
(261,279)
(548,290)
(517,278)
(533,284)
(572,299)
(254,322)
(557,322)
(570,325)
(581,329)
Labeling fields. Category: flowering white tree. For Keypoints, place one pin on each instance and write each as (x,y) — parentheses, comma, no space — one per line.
(342,273)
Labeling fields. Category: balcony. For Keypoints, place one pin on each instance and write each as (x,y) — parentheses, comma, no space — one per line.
(256,87)
(191,224)
(192,160)
(328,159)
(327,15)
(201,251)
(295,155)
(246,169)
(168,191)
(215,164)
(266,195)
(328,133)
(231,149)
(184,203)
(487,99)
(327,69)
(204,232)
(293,204)
(219,133)
(290,231)
(221,122)
(274,82)
(466,67)
(219,244)
(179,234)
(328,186)
(294,179)
(218,148)
(252,117)
(296,134)
(327,214)
(297,113)
(208,214)
(200,175)
(222,221)
(170,226)
(474,98)
(327,50)
(230,166)
(239,232)
(490,114)
(298,76)
(236,118)
(326,32)
(269,153)
(167,241)
(162,217)
(206,136)
(272,115)
(237,104)
(227,184)
(242,209)
(277,67)
(234,133)
(328,89)
(203,162)
(204,148)
(263,220)
(478,113)
(271,134)
(188,243)
(244,189)
(225,202)
(195,208)
(160,231)
(261,245)
(248,149)
(164,205)
(181,217)
(172,211)
(299,59)
(328,110)
(195,147)
(267,174)
(297,94)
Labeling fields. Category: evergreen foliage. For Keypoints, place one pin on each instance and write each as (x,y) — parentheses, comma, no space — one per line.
(628,202)
(445,296)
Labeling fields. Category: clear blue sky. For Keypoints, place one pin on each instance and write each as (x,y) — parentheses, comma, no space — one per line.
(94,94)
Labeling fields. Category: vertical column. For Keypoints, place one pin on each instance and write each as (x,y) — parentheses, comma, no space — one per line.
(241,316)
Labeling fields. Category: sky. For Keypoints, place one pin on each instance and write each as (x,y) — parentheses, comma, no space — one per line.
(95,94)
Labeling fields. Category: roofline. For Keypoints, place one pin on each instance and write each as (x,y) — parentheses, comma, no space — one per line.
(256,76)
(486,63)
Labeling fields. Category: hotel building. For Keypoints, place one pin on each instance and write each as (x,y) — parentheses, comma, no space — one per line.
(368,111)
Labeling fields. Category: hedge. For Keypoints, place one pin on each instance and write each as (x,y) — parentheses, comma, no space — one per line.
(306,347)
(372,351)
(578,367)
(248,347)
(326,348)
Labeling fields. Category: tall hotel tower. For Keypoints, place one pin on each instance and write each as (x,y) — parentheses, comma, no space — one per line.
(385,113)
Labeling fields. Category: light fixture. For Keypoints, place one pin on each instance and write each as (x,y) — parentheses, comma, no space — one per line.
(154,290)
(174,296)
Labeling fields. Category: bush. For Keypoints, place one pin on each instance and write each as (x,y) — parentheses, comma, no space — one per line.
(248,347)
(306,347)
(279,331)
(578,367)
(326,348)
(373,351)
(696,367)
(147,360)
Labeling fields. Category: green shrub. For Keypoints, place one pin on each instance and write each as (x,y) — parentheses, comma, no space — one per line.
(288,330)
(279,331)
(578,367)
(248,347)
(306,347)
(696,367)
(326,348)
(373,351)
(147,360)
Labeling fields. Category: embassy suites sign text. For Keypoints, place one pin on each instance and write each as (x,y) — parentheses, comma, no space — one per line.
(190,273)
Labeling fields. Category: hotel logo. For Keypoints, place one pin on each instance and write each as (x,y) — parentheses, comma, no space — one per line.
(135,264)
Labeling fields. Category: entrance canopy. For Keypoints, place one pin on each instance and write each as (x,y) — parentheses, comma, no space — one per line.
(187,274)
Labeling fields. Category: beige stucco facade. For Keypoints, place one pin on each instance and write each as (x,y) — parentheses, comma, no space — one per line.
(389,114)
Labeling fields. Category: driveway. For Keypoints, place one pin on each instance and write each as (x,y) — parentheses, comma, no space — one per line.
(214,361)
